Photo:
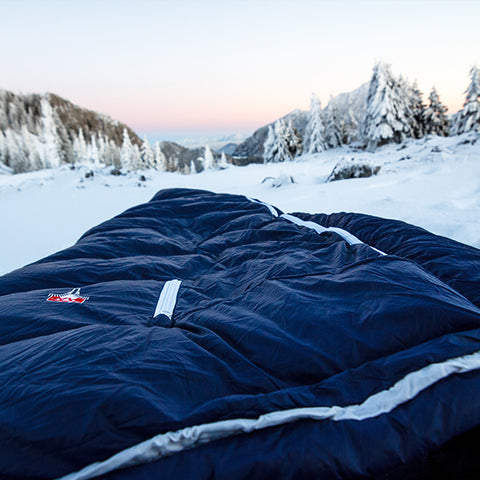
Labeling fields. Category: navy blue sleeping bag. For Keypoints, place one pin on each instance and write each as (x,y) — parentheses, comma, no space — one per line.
(206,335)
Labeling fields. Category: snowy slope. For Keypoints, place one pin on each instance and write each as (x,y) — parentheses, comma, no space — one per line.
(433,183)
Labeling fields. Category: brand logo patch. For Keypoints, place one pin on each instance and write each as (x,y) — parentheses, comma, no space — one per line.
(73,296)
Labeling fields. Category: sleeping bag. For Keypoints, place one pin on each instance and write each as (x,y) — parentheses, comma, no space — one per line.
(206,335)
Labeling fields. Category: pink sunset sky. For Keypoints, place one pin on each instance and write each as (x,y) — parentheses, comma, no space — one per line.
(229,66)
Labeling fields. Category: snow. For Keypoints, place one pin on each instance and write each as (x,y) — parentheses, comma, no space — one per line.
(433,182)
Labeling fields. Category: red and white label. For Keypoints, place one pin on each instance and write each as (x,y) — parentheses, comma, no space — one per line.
(70,297)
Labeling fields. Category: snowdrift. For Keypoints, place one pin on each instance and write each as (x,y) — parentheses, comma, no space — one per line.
(207,335)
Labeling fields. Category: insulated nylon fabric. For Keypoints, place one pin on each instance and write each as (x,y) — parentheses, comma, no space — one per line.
(383,402)
(270,316)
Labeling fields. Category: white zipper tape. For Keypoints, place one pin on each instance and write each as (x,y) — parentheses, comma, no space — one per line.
(347,236)
(272,209)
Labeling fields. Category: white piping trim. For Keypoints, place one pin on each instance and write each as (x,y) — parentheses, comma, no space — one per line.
(347,236)
(272,209)
(168,299)
(377,250)
(382,402)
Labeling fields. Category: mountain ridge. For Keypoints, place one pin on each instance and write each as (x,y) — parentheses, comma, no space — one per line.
(351,106)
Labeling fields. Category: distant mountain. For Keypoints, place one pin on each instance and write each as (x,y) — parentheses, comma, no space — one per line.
(215,141)
(229,148)
(350,110)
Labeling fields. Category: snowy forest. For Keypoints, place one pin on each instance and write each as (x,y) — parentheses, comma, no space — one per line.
(45,131)
(394,111)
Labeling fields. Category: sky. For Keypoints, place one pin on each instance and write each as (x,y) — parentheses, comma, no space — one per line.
(233,65)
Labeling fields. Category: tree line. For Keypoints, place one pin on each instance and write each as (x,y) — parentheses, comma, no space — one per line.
(394,112)
(45,131)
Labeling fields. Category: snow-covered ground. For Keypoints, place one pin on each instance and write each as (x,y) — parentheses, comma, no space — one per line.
(433,183)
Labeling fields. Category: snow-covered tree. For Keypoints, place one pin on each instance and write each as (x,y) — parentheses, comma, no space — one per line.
(80,148)
(314,138)
(281,152)
(160,160)
(468,119)
(269,144)
(434,118)
(388,117)
(128,154)
(193,168)
(208,160)
(287,143)
(30,149)
(147,155)
(295,141)
(13,152)
(52,151)
(105,151)
(405,103)
(417,108)
(223,161)
(136,158)
(93,151)
(333,131)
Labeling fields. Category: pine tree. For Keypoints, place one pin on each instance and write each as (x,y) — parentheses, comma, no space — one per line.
(269,144)
(126,153)
(208,160)
(160,162)
(287,143)
(333,132)
(80,148)
(388,117)
(136,158)
(193,168)
(403,106)
(295,142)
(52,151)
(30,151)
(349,126)
(13,157)
(102,150)
(281,152)
(315,130)
(417,108)
(468,119)
(147,155)
(223,162)
(93,152)
(434,118)
(114,154)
